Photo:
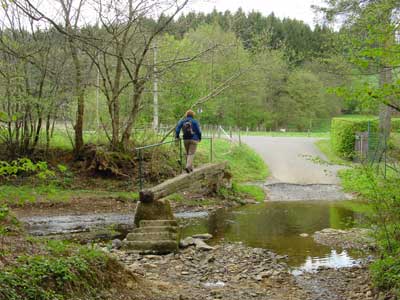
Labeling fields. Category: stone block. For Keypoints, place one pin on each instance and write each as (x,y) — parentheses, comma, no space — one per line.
(152,223)
(172,229)
(156,210)
(152,236)
(157,247)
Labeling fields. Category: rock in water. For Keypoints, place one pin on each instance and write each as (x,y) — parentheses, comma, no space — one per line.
(187,242)
(203,236)
(201,245)
(116,244)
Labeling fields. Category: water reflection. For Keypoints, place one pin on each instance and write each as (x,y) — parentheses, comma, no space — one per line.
(278,225)
(334,259)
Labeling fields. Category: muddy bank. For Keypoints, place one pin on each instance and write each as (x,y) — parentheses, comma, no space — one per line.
(76,206)
(99,205)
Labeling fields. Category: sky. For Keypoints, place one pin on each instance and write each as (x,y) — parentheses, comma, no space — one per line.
(295,9)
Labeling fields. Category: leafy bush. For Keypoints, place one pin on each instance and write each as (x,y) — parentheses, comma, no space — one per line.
(24,166)
(383,195)
(396,125)
(343,132)
(386,274)
(8,222)
(49,277)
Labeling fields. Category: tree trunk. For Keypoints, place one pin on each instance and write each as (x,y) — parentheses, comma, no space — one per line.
(79,124)
(115,116)
(155,92)
(385,112)
(132,117)
(80,94)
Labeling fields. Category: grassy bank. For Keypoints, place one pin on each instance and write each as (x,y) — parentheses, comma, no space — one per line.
(326,148)
(244,163)
(54,270)
(287,134)
(19,195)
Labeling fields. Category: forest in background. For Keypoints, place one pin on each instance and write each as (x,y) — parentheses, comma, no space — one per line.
(236,69)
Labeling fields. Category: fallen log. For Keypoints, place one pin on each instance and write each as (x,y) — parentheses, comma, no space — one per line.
(207,177)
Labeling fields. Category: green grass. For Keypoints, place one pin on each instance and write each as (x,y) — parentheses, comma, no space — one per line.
(179,198)
(326,148)
(245,164)
(358,117)
(22,194)
(255,192)
(287,134)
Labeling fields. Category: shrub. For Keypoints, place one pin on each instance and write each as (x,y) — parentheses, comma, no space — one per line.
(24,166)
(396,125)
(61,274)
(343,132)
(383,195)
(386,274)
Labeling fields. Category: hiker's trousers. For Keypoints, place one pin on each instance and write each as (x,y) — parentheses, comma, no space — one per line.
(190,147)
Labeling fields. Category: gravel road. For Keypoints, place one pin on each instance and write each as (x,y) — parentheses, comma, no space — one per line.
(297,167)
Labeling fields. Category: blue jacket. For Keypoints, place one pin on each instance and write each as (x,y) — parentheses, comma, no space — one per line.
(195,127)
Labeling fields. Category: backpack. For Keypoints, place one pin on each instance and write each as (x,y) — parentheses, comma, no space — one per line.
(187,130)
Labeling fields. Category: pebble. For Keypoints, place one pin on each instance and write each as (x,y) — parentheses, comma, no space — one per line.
(235,271)
(116,244)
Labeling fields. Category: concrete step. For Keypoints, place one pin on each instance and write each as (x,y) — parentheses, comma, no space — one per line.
(158,247)
(152,236)
(152,223)
(146,229)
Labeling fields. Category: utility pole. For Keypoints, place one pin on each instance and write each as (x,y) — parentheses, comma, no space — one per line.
(155,91)
(97,104)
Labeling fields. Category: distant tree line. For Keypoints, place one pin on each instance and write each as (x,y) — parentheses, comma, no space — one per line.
(135,65)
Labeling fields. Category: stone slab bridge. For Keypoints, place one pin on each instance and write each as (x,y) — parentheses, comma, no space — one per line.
(156,229)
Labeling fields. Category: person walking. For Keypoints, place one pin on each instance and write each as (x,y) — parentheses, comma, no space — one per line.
(191,137)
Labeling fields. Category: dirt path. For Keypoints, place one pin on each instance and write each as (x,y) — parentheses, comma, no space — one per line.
(297,169)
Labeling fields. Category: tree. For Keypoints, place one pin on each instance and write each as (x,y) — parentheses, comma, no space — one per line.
(370,28)
(30,77)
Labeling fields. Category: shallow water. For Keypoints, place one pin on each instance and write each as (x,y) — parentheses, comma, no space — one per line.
(277,226)
(272,225)
(49,225)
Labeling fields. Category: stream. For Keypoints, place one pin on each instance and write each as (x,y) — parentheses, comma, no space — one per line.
(283,227)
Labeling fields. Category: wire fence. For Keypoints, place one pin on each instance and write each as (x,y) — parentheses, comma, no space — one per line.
(377,150)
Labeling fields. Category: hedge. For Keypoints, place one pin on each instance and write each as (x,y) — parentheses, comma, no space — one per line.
(343,132)
(396,125)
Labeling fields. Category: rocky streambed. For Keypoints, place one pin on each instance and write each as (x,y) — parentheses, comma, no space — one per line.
(275,250)
(236,271)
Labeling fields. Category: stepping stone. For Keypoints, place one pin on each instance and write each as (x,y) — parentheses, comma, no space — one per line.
(157,247)
(156,229)
(153,223)
(154,237)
